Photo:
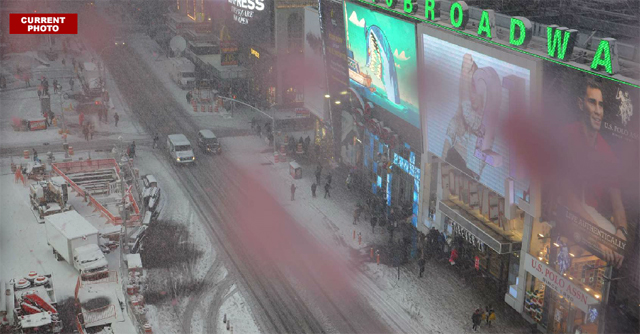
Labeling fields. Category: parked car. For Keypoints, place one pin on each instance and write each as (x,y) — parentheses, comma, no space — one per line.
(151,193)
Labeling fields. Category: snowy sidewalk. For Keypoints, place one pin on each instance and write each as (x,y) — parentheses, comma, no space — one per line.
(441,301)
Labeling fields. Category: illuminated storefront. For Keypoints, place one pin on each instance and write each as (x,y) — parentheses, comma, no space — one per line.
(564,285)
(381,135)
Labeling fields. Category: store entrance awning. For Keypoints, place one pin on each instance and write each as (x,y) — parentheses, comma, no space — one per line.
(496,241)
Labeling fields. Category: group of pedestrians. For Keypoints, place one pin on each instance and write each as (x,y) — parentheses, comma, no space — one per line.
(479,315)
(314,185)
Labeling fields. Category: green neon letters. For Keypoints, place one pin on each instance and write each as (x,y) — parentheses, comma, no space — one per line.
(606,56)
(410,6)
(520,31)
(560,42)
(486,26)
(432,10)
(459,14)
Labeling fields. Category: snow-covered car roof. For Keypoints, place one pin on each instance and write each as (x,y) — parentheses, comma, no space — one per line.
(179,139)
(150,178)
(207,134)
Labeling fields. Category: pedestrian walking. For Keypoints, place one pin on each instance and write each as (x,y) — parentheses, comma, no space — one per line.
(421,263)
(71,83)
(329,178)
(491,315)
(35,154)
(85,132)
(55,86)
(293,191)
(476,318)
(39,92)
(116,117)
(349,180)
(81,118)
(313,190)
(327,188)
(92,129)
(318,175)
(155,141)
(356,215)
(64,62)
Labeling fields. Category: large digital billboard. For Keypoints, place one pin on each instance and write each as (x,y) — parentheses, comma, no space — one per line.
(314,84)
(470,95)
(383,61)
(591,192)
(333,29)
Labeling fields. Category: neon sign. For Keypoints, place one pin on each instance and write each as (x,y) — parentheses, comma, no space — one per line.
(409,168)
(560,40)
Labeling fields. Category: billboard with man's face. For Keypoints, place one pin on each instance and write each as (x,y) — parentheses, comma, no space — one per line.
(593,195)
(469,96)
(383,61)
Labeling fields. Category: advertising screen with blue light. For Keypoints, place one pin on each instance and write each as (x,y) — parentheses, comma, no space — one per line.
(470,95)
(383,61)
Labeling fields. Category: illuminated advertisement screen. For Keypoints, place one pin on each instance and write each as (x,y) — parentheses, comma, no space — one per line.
(314,85)
(593,199)
(469,96)
(381,52)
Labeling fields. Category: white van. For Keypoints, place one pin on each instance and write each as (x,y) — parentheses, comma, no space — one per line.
(182,72)
(180,149)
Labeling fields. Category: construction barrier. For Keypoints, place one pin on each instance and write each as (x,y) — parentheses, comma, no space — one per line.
(147,328)
(210,108)
(299,149)
(202,107)
(25,154)
(70,150)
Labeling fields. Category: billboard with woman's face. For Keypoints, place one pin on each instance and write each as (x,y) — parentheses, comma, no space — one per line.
(592,195)
(468,97)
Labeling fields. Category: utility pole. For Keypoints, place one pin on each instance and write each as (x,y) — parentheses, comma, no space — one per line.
(64,127)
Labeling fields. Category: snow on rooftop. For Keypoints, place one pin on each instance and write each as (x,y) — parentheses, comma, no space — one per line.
(71,224)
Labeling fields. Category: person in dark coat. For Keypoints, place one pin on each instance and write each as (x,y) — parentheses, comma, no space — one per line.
(327,188)
(293,191)
(35,154)
(55,86)
(116,117)
(476,318)
(329,178)
(313,190)
(189,96)
(307,142)
(71,82)
(421,263)
(318,175)
(356,214)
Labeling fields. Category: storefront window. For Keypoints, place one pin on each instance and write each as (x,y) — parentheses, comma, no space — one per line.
(514,270)
(540,241)
(534,299)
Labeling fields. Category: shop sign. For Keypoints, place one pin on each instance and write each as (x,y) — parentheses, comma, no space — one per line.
(560,40)
(407,167)
(39,124)
(245,10)
(466,235)
(560,284)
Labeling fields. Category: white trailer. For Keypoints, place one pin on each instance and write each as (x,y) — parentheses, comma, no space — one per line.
(183,72)
(75,240)
(91,79)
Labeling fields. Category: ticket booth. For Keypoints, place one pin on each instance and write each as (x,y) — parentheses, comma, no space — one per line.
(295,170)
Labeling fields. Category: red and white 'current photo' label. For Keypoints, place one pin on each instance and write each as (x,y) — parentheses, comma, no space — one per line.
(43,23)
